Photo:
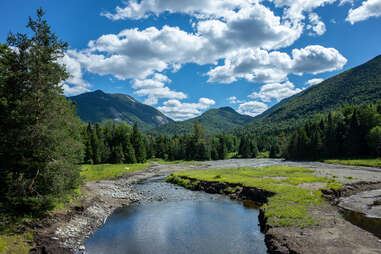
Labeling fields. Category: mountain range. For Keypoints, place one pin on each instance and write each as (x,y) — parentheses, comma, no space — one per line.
(214,121)
(361,84)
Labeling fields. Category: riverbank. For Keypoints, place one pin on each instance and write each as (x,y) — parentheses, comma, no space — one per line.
(65,232)
(296,217)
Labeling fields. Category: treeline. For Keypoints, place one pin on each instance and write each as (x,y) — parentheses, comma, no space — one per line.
(112,142)
(353,131)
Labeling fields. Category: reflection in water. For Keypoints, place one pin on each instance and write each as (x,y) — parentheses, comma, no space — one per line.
(185,222)
(372,225)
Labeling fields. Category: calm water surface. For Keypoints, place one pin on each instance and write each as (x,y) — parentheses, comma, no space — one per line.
(176,220)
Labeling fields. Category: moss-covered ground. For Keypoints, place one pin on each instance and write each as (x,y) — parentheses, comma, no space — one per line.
(291,204)
(359,162)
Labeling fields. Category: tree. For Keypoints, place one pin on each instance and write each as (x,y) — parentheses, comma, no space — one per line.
(40,142)
(221,149)
(374,140)
(138,144)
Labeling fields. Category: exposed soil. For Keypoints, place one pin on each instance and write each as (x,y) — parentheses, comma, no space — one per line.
(65,232)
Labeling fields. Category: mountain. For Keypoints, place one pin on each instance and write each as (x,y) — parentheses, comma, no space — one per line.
(214,121)
(98,106)
(361,84)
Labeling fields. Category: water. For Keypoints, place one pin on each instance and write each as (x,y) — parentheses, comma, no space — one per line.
(372,225)
(176,220)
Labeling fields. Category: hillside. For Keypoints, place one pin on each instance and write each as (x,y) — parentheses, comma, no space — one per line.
(214,121)
(98,106)
(358,85)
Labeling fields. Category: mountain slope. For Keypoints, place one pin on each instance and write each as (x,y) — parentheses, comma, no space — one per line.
(98,106)
(358,85)
(214,121)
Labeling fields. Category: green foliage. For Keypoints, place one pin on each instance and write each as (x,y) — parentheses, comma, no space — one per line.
(360,162)
(288,207)
(214,121)
(105,171)
(352,131)
(99,106)
(359,85)
(39,131)
(15,243)
(374,140)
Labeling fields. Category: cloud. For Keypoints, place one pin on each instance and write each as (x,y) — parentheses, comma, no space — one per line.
(74,84)
(368,9)
(314,81)
(316,25)
(294,9)
(262,66)
(134,53)
(316,59)
(343,2)
(180,111)
(233,100)
(197,8)
(154,88)
(252,108)
(254,26)
(277,91)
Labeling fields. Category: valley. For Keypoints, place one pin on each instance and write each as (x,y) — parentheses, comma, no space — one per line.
(328,227)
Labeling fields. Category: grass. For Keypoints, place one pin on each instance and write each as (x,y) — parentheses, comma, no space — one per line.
(104,171)
(263,155)
(359,162)
(164,162)
(15,244)
(288,207)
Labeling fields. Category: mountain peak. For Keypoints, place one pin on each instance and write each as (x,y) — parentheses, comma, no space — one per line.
(228,109)
(97,106)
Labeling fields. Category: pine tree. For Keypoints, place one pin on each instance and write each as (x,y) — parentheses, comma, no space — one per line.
(137,142)
(40,143)
(222,149)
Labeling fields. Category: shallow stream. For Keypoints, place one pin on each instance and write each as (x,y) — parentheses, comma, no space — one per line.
(172,219)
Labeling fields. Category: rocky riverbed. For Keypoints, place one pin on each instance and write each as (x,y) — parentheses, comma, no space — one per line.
(66,231)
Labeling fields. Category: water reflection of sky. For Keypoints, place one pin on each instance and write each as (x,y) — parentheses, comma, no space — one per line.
(210,224)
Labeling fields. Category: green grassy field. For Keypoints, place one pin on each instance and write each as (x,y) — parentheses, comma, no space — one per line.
(104,171)
(359,162)
(289,206)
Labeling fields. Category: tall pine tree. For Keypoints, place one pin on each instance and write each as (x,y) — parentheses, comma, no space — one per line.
(40,144)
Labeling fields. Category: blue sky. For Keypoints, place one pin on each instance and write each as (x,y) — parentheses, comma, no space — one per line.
(184,57)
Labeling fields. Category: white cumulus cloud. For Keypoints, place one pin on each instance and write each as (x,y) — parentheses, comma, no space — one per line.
(252,108)
(74,84)
(178,110)
(368,9)
(262,66)
(316,25)
(154,88)
(277,91)
(197,8)
(314,81)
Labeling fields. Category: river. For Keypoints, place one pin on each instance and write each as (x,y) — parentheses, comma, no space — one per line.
(172,219)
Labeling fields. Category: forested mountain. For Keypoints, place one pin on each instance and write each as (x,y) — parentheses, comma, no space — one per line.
(358,85)
(98,106)
(214,121)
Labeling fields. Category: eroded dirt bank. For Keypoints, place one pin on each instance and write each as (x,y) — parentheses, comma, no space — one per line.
(65,232)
